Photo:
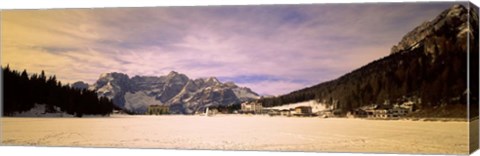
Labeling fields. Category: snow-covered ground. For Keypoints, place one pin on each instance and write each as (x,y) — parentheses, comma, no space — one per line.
(241,132)
(39,110)
(312,103)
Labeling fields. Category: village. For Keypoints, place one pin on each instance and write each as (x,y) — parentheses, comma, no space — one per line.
(385,110)
(379,111)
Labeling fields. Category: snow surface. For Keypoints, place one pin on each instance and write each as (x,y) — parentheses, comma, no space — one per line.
(38,110)
(244,93)
(312,103)
(241,132)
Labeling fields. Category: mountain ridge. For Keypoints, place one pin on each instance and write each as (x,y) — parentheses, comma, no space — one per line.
(182,94)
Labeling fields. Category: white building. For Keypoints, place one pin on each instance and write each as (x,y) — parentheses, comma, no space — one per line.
(251,107)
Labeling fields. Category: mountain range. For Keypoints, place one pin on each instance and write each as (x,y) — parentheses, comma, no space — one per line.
(182,94)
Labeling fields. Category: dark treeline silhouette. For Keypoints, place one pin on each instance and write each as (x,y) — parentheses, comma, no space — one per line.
(227,108)
(22,92)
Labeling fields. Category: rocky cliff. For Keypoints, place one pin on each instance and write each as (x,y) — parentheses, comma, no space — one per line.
(182,94)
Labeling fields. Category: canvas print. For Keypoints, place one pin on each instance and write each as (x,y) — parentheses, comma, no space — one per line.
(355,77)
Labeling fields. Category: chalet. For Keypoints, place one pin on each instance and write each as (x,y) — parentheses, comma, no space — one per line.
(286,112)
(400,110)
(380,111)
(329,113)
(251,107)
(359,113)
(157,110)
(303,111)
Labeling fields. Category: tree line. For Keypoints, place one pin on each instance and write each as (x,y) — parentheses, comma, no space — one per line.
(227,108)
(22,91)
(435,80)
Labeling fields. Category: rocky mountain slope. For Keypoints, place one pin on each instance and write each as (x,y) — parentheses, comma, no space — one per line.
(429,66)
(176,90)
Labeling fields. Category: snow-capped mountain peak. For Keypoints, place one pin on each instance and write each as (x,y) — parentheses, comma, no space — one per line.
(176,90)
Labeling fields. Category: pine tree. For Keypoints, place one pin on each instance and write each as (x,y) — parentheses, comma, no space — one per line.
(22,92)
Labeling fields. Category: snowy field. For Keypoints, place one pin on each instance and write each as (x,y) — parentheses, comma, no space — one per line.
(312,103)
(236,132)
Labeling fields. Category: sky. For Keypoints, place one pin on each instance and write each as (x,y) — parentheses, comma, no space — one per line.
(272,49)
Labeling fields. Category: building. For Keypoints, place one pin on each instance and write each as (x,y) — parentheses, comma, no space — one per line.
(157,110)
(327,113)
(358,113)
(303,111)
(400,110)
(380,111)
(251,107)
(286,112)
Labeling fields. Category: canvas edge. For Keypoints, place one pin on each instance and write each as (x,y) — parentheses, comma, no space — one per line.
(473,79)
(473,129)
(1,81)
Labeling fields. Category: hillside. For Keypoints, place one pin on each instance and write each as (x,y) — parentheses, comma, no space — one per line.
(428,66)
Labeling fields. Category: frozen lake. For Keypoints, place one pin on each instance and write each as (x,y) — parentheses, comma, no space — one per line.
(235,132)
